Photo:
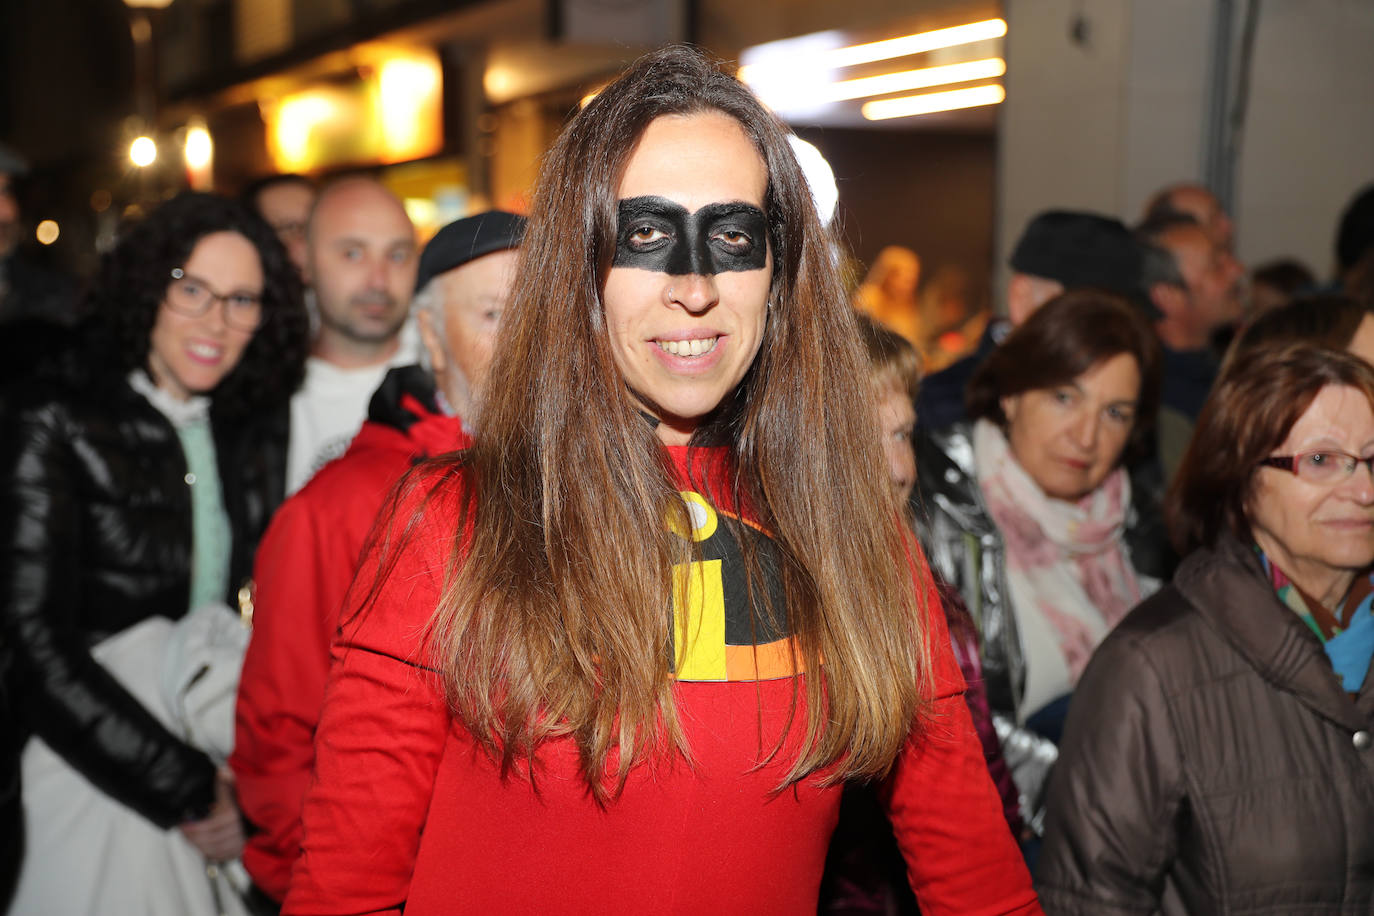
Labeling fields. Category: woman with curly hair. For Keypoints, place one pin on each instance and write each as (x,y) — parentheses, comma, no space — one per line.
(621,655)
(134,486)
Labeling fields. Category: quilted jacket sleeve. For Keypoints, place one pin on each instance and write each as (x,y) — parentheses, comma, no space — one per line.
(1116,792)
(62,694)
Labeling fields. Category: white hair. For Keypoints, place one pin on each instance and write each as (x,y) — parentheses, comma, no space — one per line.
(430,299)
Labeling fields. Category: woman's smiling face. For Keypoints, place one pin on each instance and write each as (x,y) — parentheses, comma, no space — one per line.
(192,354)
(686,299)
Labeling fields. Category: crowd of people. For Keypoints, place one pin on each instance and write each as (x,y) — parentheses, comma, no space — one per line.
(620,558)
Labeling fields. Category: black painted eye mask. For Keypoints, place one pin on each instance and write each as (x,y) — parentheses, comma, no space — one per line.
(653,233)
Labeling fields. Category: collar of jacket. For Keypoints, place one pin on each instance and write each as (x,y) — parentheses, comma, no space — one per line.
(946,475)
(400,384)
(1227,586)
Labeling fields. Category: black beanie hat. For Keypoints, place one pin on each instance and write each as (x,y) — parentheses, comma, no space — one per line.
(1082,249)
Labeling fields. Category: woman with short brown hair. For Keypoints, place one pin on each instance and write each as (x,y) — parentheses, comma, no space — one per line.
(1218,757)
(1029,512)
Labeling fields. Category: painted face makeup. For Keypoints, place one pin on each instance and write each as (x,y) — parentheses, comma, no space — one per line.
(691,200)
(654,233)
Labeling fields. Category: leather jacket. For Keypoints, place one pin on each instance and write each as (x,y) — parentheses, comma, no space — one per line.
(95,528)
(964,546)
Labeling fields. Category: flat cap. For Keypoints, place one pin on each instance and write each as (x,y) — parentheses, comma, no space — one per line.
(466,240)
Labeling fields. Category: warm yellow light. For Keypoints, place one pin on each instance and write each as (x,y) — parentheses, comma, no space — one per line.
(143,152)
(200,149)
(48,231)
(408,89)
(497,81)
(296,118)
(421,210)
(991,68)
(919,43)
(930,102)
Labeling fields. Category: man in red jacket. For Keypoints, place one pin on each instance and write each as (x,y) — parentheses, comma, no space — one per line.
(311,550)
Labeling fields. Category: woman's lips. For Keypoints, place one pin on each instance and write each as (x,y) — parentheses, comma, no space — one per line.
(696,346)
(689,351)
(1349,524)
(205,353)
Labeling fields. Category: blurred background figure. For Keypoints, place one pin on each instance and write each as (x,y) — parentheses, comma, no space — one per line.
(895,372)
(1335,322)
(134,488)
(953,325)
(1059,250)
(1194,285)
(888,292)
(1194,202)
(29,289)
(1216,758)
(1355,244)
(285,202)
(1029,514)
(1359,283)
(361,258)
(418,412)
(38,303)
(1276,283)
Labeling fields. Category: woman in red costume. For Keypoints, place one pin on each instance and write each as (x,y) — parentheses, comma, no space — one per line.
(621,655)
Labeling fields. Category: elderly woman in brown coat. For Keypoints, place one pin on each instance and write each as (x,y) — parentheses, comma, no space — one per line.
(1218,757)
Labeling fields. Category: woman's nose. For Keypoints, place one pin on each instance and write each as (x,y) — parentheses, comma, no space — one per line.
(1359,486)
(696,293)
(1084,430)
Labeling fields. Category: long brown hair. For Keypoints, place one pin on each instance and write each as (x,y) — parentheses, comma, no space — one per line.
(555,618)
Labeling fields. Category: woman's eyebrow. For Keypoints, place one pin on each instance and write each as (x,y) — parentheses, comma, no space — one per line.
(653,204)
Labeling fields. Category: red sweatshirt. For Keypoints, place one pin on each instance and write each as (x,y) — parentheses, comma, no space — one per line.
(407,811)
(304,566)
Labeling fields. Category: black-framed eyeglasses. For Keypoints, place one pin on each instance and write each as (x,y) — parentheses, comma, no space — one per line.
(191,296)
(1323,466)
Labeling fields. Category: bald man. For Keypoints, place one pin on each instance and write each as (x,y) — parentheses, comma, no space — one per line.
(1195,201)
(361,259)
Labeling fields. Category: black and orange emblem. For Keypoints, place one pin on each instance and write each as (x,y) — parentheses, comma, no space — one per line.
(722,631)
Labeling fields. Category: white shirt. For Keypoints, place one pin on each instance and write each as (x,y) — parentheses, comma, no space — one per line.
(330,407)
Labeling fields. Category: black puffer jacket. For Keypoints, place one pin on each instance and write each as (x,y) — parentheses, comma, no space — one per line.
(1212,762)
(95,529)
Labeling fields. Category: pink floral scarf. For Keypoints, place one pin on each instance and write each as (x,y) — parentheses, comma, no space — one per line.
(1069,578)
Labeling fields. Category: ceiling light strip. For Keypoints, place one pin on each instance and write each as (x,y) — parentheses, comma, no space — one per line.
(931,102)
(906,80)
(919,43)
